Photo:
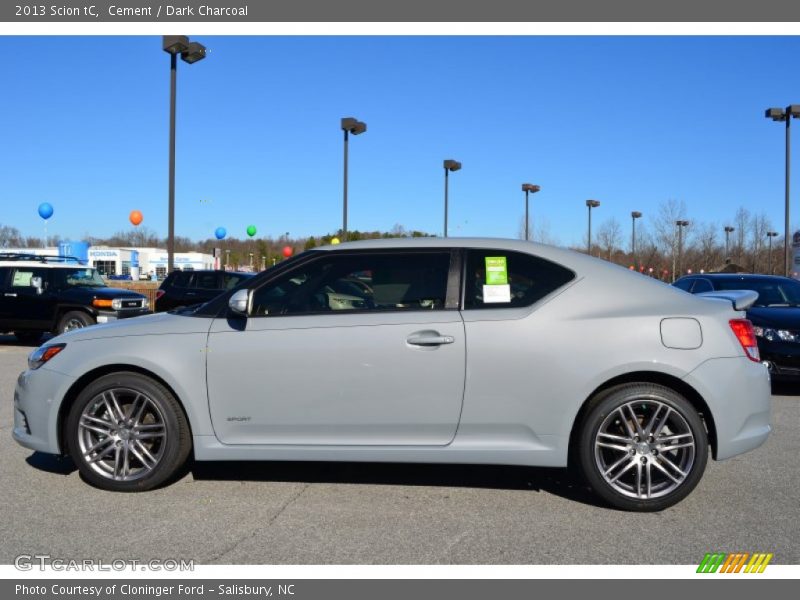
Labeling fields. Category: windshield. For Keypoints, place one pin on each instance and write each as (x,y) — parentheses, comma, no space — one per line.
(81,278)
(779,292)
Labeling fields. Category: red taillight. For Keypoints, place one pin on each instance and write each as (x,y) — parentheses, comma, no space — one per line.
(743,330)
(159,293)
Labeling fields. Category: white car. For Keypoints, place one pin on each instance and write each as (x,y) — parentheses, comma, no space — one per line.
(448,351)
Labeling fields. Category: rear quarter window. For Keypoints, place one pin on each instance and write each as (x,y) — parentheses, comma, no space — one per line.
(514,279)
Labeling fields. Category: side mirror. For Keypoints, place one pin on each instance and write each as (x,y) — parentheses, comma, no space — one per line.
(239,301)
(36,282)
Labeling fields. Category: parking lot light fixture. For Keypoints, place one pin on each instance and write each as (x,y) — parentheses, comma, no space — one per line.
(532,189)
(681,223)
(728,231)
(634,215)
(190,52)
(785,115)
(590,204)
(770,235)
(449,165)
(356,127)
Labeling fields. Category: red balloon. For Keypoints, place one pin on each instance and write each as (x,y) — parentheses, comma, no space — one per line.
(136,217)
(287,251)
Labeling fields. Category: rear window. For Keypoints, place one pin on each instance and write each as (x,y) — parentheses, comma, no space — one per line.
(180,279)
(206,281)
(771,292)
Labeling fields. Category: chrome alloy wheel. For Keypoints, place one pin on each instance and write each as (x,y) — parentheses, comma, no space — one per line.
(644,449)
(73,323)
(122,434)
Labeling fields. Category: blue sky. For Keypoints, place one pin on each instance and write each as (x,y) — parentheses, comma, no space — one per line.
(631,121)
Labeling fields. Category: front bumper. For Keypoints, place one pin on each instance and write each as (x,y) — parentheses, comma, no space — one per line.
(739,396)
(109,316)
(37,399)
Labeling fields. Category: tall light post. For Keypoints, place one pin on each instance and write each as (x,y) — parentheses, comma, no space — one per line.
(681,224)
(449,165)
(356,127)
(634,215)
(590,204)
(190,53)
(728,231)
(770,235)
(532,189)
(785,115)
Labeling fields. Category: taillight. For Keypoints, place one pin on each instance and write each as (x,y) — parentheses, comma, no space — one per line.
(743,330)
(159,293)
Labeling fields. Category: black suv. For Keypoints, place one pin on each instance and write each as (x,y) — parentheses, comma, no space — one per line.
(775,315)
(184,288)
(48,293)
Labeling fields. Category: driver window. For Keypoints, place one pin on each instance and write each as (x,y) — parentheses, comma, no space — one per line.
(358,282)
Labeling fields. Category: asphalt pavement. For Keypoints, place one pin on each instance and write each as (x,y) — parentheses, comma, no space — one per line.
(347,513)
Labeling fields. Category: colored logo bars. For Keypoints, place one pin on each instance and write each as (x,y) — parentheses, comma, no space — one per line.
(734,563)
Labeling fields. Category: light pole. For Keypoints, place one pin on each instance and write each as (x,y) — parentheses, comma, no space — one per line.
(681,224)
(728,231)
(770,235)
(227,259)
(449,165)
(528,188)
(190,53)
(785,115)
(356,127)
(634,215)
(590,204)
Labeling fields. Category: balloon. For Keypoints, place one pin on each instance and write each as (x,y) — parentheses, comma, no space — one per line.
(45,210)
(251,230)
(136,217)
(220,233)
(335,241)
(287,251)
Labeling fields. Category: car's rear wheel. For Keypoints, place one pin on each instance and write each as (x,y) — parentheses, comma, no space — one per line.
(127,432)
(74,319)
(642,447)
(28,337)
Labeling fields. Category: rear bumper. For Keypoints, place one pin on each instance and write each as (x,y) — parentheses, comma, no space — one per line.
(738,394)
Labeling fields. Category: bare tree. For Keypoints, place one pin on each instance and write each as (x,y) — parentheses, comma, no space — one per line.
(609,237)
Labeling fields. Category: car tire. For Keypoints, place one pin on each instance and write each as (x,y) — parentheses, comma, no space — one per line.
(642,447)
(28,337)
(74,319)
(127,433)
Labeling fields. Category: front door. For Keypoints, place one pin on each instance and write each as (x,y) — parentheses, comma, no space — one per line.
(347,349)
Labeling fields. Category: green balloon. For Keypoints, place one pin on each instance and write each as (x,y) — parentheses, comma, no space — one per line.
(251,230)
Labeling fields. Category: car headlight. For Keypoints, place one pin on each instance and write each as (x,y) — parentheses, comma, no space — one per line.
(776,335)
(116,304)
(43,354)
(145,303)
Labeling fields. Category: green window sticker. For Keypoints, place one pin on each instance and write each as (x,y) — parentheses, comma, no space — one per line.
(496,270)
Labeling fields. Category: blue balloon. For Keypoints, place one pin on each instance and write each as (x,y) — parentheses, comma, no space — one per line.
(45,210)
(220,233)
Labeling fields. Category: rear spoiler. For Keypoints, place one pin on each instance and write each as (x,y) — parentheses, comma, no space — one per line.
(741,299)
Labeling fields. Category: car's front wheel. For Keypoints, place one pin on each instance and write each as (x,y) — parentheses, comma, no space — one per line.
(642,447)
(126,432)
(74,319)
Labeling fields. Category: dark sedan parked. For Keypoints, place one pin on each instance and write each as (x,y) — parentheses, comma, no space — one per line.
(184,288)
(775,315)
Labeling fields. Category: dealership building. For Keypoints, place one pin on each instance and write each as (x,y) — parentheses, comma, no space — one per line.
(110,260)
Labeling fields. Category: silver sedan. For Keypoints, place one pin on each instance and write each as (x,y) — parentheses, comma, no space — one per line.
(416,350)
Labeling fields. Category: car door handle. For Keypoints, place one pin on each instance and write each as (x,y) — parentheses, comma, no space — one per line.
(9,295)
(191,293)
(429,339)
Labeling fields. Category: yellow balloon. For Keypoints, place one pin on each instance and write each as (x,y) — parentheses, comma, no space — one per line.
(335,241)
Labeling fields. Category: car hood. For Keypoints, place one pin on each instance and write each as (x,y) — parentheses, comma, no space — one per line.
(776,317)
(105,293)
(154,324)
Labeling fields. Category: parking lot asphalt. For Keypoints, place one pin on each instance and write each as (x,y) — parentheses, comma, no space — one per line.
(345,513)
